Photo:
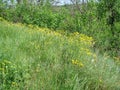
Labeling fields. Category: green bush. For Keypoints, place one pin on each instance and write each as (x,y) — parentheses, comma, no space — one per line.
(30,14)
(87,19)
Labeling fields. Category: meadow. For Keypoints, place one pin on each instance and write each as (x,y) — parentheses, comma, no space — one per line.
(33,58)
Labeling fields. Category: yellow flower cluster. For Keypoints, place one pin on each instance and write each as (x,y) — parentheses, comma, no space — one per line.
(85,37)
(34,29)
(86,40)
(78,63)
(81,38)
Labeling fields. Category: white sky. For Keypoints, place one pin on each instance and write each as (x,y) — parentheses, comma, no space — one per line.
(62,2)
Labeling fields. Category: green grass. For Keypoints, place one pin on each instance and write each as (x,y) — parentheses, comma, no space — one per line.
(33,58)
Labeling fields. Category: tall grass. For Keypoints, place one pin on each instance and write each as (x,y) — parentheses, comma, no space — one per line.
(33,58)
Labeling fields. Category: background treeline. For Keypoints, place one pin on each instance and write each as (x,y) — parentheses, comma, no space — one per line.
(99,19)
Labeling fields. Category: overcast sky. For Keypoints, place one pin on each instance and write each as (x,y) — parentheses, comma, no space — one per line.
(62,2)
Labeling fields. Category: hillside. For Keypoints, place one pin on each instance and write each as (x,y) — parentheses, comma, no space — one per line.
(33,58)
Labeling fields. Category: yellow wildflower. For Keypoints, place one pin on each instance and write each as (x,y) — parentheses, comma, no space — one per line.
(81,64)
(89,53)
(78,63)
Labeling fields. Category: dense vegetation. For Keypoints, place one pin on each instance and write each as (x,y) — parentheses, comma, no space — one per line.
(97,19)
(33,58)
(68,47)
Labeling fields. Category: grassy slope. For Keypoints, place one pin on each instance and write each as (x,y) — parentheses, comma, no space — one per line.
(32,58)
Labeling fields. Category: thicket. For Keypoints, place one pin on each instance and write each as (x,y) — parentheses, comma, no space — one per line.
(97,19)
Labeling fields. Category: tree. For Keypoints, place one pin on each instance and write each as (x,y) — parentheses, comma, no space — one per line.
(108,9)
(19,1)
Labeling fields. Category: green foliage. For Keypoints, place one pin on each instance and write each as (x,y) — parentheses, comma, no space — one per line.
(42,16)
(97,19)
(109,10)
(37,58)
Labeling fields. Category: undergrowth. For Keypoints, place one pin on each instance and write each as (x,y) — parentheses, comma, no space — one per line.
(33,58)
